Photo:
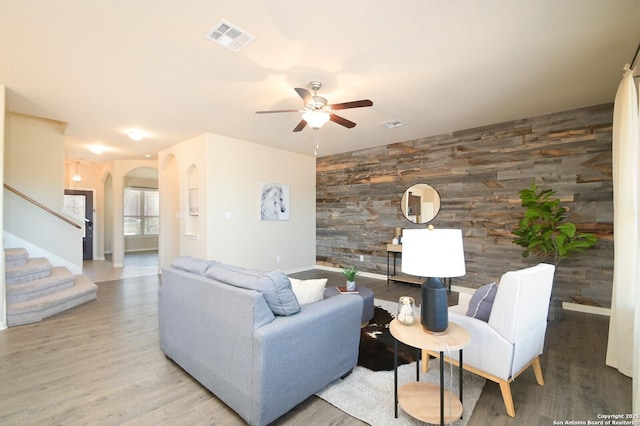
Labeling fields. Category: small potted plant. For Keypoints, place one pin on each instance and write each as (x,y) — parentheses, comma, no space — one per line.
(351,273)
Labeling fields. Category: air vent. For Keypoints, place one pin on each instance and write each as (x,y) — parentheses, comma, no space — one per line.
(392,124)
(229,36)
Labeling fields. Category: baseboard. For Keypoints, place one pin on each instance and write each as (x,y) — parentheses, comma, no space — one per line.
(587,309)
(362,274)
(306,268)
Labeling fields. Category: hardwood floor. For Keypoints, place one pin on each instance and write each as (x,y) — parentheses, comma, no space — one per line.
(100,363)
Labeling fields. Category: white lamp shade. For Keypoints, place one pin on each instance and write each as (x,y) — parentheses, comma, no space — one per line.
(437,253)
(315,119)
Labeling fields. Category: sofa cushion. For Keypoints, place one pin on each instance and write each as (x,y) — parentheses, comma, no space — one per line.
(482,301)
(192,264)
(308,291)
(274,286)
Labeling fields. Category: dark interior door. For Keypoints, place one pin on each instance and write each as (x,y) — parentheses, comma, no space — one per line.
(87,241)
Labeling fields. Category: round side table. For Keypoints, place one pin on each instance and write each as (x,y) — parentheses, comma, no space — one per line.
(420,399)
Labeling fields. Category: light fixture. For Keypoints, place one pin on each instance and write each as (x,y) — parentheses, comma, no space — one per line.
(135,134)
(77,177)
(96,149)
(315,119)
(434,254)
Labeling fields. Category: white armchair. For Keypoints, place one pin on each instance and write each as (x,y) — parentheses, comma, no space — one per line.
(513,338)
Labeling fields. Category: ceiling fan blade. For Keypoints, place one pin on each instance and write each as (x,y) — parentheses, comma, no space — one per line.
(353,104)
(304,94)
(277,110)
(301,125)
(342,121)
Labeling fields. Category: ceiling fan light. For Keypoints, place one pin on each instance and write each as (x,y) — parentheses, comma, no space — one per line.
(315,119)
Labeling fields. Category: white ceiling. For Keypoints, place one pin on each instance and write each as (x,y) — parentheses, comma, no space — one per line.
(107,66)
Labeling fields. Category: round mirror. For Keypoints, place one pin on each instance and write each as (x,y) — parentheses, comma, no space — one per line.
(420,203)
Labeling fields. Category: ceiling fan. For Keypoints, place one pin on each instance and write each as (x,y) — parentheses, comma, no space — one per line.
(316,111)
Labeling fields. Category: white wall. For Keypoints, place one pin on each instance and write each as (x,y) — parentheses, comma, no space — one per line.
(228,227)
(174,211)
(105,211)
(169,240)
(236,170)
(142,243)
(3,305)
(34,158)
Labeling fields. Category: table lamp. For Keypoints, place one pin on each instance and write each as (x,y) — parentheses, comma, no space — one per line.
(434,254)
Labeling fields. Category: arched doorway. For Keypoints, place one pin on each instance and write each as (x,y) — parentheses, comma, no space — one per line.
(141,217)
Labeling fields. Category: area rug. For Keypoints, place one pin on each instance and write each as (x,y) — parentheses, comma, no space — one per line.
(376,344)
(368,395)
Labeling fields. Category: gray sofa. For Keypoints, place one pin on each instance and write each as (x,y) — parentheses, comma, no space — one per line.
(241,334)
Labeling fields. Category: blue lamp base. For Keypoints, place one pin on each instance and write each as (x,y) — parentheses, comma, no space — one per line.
(434,313)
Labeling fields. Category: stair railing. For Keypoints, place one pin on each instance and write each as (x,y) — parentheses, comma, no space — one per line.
(42,206)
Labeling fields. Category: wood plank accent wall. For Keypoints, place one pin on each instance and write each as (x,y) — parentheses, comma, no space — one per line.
(478,173)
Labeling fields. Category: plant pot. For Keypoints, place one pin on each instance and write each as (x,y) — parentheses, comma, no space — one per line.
(351,285)
(556,313)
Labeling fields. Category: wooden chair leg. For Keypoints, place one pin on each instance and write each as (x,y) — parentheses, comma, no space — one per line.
(537,370)
(425,362)
(505,388)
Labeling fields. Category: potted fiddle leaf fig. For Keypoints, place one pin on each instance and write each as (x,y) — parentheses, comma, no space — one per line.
(351,273)
(544,232)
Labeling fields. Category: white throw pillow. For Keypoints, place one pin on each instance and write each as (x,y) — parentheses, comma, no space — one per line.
(308,291)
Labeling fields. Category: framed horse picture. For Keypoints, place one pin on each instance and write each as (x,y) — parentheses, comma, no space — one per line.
(274,201)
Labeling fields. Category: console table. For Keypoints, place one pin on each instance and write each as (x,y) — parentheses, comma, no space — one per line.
(394,250)
(420,399)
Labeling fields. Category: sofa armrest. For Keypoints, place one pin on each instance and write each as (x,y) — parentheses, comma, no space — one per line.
(487,350)
(296,356)
(463,303)
(464,299)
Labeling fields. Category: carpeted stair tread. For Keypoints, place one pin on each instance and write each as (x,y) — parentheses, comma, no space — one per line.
(34,268)
(15,257)
(83,290)
(59,278)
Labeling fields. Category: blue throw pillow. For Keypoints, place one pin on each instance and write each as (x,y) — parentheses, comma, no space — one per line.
(274,286)
(482,301)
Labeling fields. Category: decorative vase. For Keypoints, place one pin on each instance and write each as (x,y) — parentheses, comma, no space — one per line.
(351,285)
(397,232)
(406,313)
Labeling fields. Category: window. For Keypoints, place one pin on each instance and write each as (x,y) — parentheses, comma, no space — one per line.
(141,211)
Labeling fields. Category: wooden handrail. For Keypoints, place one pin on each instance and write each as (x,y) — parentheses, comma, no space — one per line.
(42,206)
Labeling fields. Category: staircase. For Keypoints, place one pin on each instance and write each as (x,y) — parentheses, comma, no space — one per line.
(35,289)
